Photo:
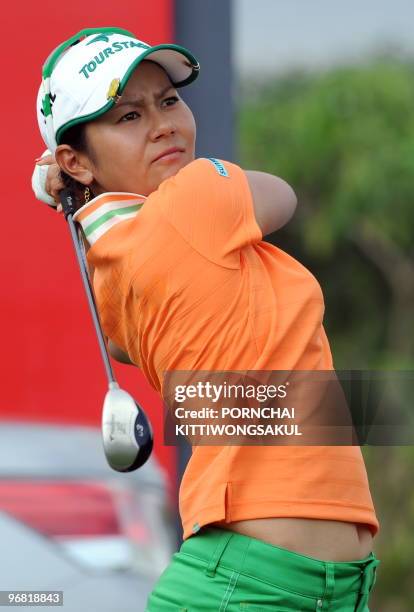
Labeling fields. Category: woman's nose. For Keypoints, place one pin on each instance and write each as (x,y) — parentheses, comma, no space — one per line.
(162,126)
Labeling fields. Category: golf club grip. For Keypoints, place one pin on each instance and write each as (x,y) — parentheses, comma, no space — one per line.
(68,201)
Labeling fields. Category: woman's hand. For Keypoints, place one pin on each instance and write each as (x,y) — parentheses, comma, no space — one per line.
(46,181)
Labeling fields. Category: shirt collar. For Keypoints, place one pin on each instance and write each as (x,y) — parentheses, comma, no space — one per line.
(106,210)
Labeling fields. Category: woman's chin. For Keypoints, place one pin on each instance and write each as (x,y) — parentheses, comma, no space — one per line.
(168,170)
(164,171)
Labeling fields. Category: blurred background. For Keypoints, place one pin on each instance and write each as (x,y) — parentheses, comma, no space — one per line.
(320,93)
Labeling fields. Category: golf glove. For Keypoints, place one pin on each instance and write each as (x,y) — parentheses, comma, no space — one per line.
(39,183)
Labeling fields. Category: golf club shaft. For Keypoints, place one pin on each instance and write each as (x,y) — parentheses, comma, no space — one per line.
(67,199)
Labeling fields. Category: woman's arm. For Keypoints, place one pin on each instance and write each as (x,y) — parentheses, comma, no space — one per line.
(274,200)
(118,354)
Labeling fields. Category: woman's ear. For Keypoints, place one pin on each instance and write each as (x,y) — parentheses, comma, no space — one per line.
(74,164)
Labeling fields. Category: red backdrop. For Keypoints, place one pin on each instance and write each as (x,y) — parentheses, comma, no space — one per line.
(51,368)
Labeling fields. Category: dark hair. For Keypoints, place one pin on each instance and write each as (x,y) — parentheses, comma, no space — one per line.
(75,137)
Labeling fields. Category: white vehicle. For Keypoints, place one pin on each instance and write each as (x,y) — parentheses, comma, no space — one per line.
(68,522)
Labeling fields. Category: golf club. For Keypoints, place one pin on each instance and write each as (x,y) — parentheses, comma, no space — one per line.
(126,431)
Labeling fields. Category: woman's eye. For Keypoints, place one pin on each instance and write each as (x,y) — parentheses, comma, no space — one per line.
(171,100)
(130,116)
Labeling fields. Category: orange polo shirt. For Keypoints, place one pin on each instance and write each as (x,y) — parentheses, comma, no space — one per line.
(183,281)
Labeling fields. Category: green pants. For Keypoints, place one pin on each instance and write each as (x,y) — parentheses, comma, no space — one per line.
(218,570)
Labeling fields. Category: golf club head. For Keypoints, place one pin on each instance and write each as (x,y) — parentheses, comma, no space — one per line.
(126,431)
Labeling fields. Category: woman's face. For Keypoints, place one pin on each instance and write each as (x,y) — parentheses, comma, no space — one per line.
(145,138)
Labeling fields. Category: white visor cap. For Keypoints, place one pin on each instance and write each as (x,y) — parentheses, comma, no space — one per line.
(84,77)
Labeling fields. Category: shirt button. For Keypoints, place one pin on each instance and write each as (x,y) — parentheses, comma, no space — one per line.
(319,603)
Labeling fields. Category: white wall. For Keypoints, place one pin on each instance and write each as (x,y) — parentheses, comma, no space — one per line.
(279,34)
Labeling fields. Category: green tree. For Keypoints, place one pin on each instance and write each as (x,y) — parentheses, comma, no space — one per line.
(345,141)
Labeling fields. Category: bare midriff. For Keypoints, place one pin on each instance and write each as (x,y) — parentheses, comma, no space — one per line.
(321,539)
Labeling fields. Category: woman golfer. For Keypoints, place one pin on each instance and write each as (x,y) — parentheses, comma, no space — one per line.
(183,281)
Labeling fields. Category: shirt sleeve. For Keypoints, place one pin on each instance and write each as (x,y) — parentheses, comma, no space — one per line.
(209,203)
